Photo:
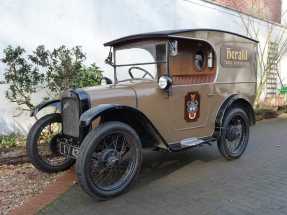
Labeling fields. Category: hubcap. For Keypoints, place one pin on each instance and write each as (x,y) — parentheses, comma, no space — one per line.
(110,157)
(233,133)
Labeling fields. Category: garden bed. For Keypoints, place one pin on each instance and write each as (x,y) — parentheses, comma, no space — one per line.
(12,149)
(13,156)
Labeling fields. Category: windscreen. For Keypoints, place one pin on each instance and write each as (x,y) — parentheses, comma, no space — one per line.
(141,60)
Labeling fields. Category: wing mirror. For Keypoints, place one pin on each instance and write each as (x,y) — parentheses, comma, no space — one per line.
(105,81)
(173,48)
(109,59)
(164,82)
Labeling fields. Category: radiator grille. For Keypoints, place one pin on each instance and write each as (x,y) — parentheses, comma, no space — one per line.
(70,115)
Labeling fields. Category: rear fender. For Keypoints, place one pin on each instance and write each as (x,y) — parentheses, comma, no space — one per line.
(231,101)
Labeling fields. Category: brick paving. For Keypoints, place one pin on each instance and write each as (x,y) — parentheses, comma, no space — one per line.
(200,182)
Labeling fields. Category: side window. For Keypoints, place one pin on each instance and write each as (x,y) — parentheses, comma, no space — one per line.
(194,63)
(199,60)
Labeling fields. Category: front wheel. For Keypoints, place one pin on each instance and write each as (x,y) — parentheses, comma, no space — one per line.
(235,134)
(43,145)
(109,161)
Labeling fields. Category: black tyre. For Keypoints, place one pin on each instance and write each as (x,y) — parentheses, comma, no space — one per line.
(110,160)
(235,134)
(42,145)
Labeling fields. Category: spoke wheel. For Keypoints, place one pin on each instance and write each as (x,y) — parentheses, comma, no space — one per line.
(235,134)
(110,160)
(47,144)
(43,145)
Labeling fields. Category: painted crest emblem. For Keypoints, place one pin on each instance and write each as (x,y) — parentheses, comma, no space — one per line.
(192,106)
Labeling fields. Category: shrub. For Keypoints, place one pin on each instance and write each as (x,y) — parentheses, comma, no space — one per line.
(56,71)
(22,76)
(12,140)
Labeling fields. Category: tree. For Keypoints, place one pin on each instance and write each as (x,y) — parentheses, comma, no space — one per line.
(272,35)
(55,71)
(22,76)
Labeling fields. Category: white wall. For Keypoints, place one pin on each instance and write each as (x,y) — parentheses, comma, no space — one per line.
(90,23)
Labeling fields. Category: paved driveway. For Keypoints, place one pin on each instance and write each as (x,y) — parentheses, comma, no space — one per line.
(201,182)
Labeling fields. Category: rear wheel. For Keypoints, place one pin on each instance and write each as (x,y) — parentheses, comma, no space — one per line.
(43,145)
(109,161)
(235,134)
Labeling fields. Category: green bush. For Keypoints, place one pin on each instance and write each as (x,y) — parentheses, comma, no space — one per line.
(22,76)
(56,71)
(12,140)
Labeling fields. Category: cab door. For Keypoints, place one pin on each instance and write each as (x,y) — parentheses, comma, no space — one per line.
(193,72)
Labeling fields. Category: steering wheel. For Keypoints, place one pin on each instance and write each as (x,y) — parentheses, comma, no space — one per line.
(139,68)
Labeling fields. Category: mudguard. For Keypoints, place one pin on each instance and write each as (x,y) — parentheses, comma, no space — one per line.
(55,103)
(228,103)
(87,117)
(91,114)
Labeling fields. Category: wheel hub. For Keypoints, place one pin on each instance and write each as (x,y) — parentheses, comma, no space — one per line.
(233,133)
(110,157)
(54,144)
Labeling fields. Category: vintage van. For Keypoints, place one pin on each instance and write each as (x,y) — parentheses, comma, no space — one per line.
(171,90)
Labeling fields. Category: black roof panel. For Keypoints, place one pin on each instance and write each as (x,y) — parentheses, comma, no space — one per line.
(165,34)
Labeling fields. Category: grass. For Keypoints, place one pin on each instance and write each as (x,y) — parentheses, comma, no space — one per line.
(12,141)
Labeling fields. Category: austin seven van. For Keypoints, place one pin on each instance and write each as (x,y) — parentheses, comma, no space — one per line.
(170,90)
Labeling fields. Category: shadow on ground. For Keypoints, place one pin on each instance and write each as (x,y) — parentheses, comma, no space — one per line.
(159,164)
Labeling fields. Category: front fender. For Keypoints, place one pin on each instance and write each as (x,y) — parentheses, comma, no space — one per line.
(88,116)
(136,115)
(55,103)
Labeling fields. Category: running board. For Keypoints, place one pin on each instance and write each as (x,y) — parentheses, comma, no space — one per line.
(190,143)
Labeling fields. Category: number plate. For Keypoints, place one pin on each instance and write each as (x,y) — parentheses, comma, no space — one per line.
(69,150)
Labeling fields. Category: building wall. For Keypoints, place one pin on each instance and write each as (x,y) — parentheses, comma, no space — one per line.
(91,23)
(267,9)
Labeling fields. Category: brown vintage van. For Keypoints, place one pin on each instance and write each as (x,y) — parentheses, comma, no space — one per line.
(172,90)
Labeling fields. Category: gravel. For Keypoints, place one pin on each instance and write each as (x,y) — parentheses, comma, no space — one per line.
(20,182)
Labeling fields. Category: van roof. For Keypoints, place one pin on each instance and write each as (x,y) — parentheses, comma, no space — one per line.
(166,34)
